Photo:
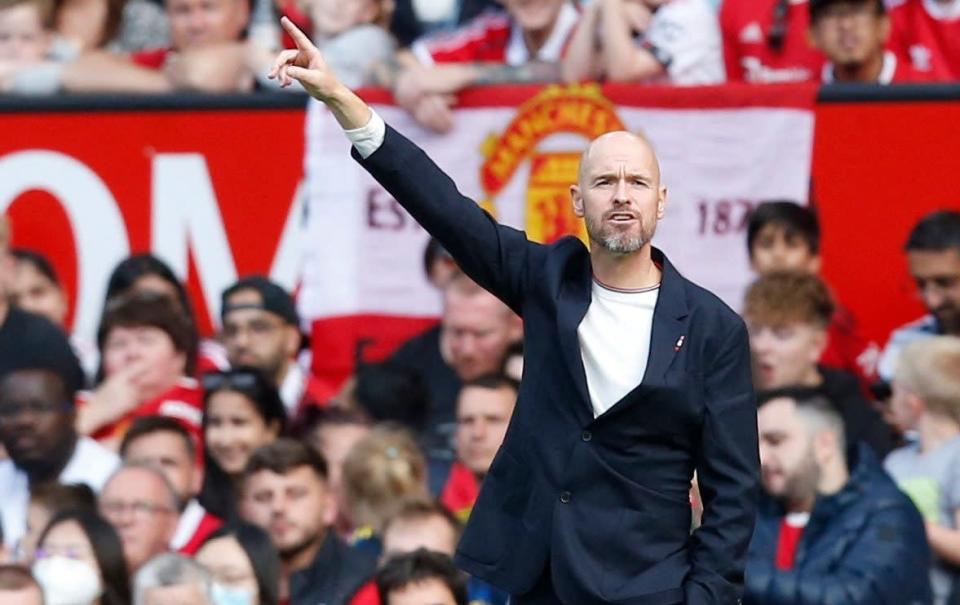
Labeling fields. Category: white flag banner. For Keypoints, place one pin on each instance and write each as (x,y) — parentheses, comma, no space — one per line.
(516,150)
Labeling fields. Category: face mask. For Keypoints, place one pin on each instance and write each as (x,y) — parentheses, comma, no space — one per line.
(230,595)
(67,581)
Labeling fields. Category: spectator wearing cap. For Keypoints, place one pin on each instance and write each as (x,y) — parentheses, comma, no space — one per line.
(164,443)
(853,34)
(147,355)
(39,378)
(261,329)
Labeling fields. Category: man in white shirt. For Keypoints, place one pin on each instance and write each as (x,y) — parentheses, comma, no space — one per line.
(587,500)
(37,418)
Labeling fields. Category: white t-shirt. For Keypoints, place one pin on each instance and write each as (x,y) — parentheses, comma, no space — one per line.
(91,464)
(615,342)
(684,35)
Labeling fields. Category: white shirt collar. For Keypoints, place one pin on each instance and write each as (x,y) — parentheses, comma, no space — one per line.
(292,387)
(887,70)
(187,526)
(945,11)
(552,49)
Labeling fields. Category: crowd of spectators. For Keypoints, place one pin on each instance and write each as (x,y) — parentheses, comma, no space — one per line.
(425,51)
(156,466)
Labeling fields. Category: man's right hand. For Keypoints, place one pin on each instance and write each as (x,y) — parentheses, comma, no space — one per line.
(306,65)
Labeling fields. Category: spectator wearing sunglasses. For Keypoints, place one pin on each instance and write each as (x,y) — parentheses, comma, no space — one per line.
(80,561)
(242,412)
(37,414)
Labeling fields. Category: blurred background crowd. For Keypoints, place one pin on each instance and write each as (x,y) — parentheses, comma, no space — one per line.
(424,51)
(155,466)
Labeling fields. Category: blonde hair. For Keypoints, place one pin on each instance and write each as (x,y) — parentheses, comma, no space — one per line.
(382,473)
(930,369)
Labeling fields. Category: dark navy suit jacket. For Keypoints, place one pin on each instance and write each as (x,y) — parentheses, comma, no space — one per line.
(604,500)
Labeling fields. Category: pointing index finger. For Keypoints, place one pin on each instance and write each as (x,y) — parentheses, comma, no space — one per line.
(303,42)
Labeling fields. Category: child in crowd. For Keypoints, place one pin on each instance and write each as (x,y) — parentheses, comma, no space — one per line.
(926,406)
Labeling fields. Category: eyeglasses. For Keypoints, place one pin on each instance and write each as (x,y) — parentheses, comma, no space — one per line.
(214,381)
(139,508)
(10,410)
(70,551)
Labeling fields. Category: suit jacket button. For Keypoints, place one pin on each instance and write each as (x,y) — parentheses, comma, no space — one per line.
(586,436)
(564,497)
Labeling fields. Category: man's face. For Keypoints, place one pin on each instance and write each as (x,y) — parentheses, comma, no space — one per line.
(482,419)
(430,591)
(139,506)
(850,33)
(937,275)
(295,508)
(332,17)
(167,452)
(534,15)
(178,594)
(23,39)
(198,23)
(407,535)
(476,331)
(34,292)
(258,338)
(36,421)
(785,354)
(773,250)
(788,468)
(618,193)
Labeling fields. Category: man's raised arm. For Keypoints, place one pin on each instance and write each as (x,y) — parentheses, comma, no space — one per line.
(496,257)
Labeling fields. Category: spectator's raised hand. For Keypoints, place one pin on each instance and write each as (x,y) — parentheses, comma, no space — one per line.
(304,64)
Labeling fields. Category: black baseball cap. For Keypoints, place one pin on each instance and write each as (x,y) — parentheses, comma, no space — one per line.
(273,298)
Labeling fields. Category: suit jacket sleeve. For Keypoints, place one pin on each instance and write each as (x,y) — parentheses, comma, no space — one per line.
(728,470)
(495,256)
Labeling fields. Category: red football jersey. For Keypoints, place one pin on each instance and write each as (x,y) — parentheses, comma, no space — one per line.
(151,59)
(183,402)
(926,33)
(894,71)
(748,53)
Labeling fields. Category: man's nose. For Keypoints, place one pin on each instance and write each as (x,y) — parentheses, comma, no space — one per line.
(620,193)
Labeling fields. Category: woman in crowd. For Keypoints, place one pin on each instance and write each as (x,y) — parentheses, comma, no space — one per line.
(382,472)
(147,273)
(244,564)
(80,561)
(242,412)
(47,501)
(147,358)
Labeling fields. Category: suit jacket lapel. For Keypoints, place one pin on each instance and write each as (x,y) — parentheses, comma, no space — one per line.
(572,304)
(669,322)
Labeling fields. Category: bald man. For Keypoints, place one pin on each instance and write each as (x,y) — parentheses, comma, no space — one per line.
(633,378)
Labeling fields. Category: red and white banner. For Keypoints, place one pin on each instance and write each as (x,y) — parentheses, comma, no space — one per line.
(517,154)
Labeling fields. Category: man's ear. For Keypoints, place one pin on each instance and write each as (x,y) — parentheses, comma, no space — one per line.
(662,202)
(577,200)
